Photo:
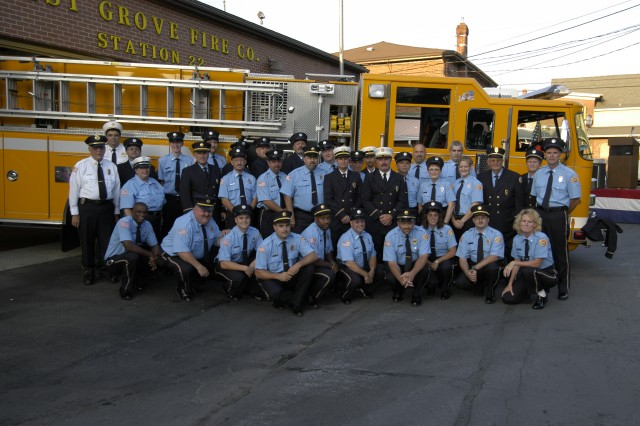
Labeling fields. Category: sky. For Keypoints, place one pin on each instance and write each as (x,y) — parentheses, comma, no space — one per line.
(520,48)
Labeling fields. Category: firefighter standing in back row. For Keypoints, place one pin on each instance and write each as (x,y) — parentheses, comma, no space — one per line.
(557,191)
(115,152)
(94,203)
(169,173)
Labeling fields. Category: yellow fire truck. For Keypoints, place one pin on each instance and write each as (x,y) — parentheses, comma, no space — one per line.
(49,106)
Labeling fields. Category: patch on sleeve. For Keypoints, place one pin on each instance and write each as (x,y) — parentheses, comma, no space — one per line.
(75,170)
(124,224)
(262,183)
(574,179)
(346,244)
(222,181)
(182,232)
(288,178)
(226,242)
(479,186)
(498,239)
(543,242)
(124,192)
(387,243)
(312,240)
(261,249)
(450,232)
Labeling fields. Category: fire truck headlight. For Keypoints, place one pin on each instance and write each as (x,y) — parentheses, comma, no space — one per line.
(377,91)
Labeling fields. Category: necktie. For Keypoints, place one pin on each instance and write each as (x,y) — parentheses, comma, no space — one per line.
(333,167)
(495,180)
(102,187)
(547,193)
(324,243)
(245,253)
(526,250)
(384,177)
(206,241)
(113,156)
(529,185)
(177,181)
(458,193)
(408,261)
(432,245)
(480,255)
(243,196)
(457,171)
(281,195)
(138,235)
(314,190)
(433,192)
(285,257)
(205,169)
(344,175)
(417,172)
(365,259)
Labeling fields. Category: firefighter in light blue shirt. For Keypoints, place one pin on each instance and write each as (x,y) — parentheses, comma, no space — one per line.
(215,159)
(132,241)
(270,199)
(479,266)
(169,171)
(318,235)
(304,188)
(405,253)
(435,188)
(236,257)
(359,269)
(238,186)
(284,266)
(328,163)
(442,249)
(187,249)
(468,193)
(531,272)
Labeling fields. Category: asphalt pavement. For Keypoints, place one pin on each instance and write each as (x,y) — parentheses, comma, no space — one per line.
(78,355)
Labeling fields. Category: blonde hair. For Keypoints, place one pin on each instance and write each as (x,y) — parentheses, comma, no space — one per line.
(535,217)
(467,159)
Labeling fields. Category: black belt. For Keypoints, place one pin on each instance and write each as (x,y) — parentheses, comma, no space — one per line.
(96,202)
(158,213)
(171,195)
(295,209)
(551,209)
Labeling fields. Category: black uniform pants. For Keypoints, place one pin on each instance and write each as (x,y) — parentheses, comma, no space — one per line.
(183,270)
(378,231)
(530,281)
(442,277)
(352,281)
(293,291)
(337,229)
(418,282)
(235,282)
(171,210)
(125,265)
(458,232)
(487,281)
(323,279)
(96,224)
(303,219)
(266,222)
(155,219)
(555,225)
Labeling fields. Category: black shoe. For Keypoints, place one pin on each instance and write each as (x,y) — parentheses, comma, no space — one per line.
(125,295)
(139,286)
(346,301)
(278,305)
(313,302)
(364,293)
(183,295)
(89,279)
(490,300)
(229,295)
(416,301)
(539,303)
(297,312)
(445,295)
(396,296)
(563,295)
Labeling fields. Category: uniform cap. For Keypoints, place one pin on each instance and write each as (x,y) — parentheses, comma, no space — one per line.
(283,216)
(312,151)
(383,152)
(433,206)
(241,209)
(298,137)
(438,161)
(112,125)
(480,210)
(274,154)
(141,161)
(241,143)
(495,151)
(201,147)
(320,210)
(402,156)
(175,136)
(357,156)
(342,151)
(553,143)
(369,151)
(263,142)
(210,134)
(357,213)
(132,142)
(533,152)
(407,215)
(96,140)
(206,202)
(238,152)
(325,144)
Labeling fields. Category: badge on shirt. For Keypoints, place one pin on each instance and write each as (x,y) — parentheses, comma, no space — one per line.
(560,178)
(415,242)
(292,247)
(261,249)
(506,192)
(425,237)
(442,189)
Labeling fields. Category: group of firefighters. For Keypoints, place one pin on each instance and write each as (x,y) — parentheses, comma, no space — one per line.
(291,230)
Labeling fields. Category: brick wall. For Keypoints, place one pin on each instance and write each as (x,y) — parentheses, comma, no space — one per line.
(77,26)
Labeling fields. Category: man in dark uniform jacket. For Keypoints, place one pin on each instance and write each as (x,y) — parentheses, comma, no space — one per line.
(501,188)
(259,165)
(534,158)
(295,160)
(341,193)
(200,180)
(384,194)
(133,147)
